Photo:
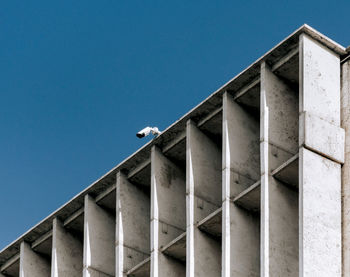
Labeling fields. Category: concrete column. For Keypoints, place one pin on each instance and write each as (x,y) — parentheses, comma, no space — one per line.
(168,212)
(99,241)
(67,252)
(132,225)
(240,229)
(32,263)
(203,196)
(345,123)
(279,203)
(320,164)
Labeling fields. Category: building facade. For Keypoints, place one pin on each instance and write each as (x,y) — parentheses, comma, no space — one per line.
(254,181)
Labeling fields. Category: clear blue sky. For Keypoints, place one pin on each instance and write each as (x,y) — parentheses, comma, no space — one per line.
(80,78)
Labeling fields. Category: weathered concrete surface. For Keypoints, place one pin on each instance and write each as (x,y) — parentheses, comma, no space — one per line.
(203,193)
(319,215)
(132,225)
(322,137)
(32,264)
(282,104)
(319,177)
(241,158)
(279,204)
(207,255)
(99,240)
(67,252)
(319,80)
(345,123)
(167,266)
(240,231)
(244,242)
(168,211)
(204,163)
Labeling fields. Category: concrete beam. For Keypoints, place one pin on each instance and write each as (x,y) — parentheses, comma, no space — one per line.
(240,229)
(132,225)
(168,212)
(203,196)
(32,263)
(99,240)
(67,252)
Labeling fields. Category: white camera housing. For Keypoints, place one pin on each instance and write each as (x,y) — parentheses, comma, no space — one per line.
(146,131)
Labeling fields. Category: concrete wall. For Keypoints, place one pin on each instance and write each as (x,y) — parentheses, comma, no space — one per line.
(168,212)
(132,225)
(67,252)
(99,240)
(203,196)
(32,264)
(320,168)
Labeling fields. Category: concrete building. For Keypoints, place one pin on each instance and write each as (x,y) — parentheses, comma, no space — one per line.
(254,181)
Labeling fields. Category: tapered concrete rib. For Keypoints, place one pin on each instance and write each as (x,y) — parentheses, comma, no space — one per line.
(99,240)
(279,204)
(67,252)
(132,225)
(168,212)
(203,196)
(32,263)
(345,123)
(319,176)
(240,228)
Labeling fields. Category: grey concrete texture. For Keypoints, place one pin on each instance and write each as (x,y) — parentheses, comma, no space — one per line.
(67,252)
(33,264)
(99,240)
(345,123)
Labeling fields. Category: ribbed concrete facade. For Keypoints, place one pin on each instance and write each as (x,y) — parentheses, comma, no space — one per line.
(254,181)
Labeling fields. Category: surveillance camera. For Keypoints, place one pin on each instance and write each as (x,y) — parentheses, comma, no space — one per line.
(146,131)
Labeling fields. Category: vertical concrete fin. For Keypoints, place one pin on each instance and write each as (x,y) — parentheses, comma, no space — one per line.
(32,263)
(240,157)
(319,176)
(99,240)
(345,123)
(203,196)
(67,252)
(319,80)
(132,225)
(279,203)
(168,212)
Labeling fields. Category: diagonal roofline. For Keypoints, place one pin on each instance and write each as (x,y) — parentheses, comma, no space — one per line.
(202,109)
